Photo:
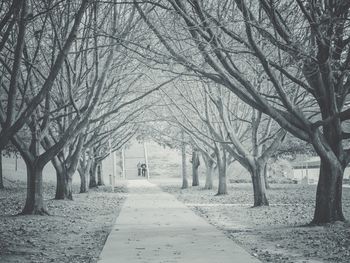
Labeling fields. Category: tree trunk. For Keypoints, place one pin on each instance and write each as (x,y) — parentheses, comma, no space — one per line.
(84,186)
(69,187)
(1,179)
(64,186)
(266,173)
(83,182)
(329,193)
(60,185)
(84,169)
(209,165)
(222,189)
(64,189)
(184,164)
(34,202)
(195,165)
(100,180)
(258,180)
(92,172)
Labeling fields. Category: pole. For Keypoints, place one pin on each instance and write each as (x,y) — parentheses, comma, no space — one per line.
(146,159)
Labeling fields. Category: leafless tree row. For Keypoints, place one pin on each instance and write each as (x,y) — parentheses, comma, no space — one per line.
(67,86)
(288,60)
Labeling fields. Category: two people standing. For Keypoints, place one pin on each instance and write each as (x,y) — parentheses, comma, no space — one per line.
(141,169)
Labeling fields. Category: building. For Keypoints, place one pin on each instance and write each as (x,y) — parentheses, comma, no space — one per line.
(306,170)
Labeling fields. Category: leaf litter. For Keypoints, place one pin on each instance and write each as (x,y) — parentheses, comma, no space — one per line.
(279,233)
(75,231)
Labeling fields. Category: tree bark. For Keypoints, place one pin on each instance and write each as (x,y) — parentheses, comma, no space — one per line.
(84,186)
(209,165)
(100,180)
(60,184)
(266,173)
(35,201)
(92,172)
(64,178)
(329,193)
(84,169)
(69,187)
(221,158)
(64,186)
(195,165)
(258,180)
(1,179)
(84,172)
(184,164)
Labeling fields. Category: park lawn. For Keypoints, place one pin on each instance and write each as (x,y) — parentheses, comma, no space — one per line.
(278,233)
(75,231)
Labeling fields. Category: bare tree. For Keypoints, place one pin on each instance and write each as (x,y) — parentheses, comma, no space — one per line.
(195,164)
(184,161)
(247,135)
(13,116)
(40,121)
(309,65)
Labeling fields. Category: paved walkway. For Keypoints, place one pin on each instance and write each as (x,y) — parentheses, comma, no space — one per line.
(154,227)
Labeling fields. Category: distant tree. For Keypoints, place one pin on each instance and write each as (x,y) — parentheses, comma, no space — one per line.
(184,161)
(245,134)
(195,164)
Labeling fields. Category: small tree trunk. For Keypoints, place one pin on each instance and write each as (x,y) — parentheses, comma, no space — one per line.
(209,165)
(83,184)
(100,180)
(184,164)
(63,177)
(92,173)
(258,180)
(195,165)
(329,193)
(60,185)
(34,202)
(69,187)
(1,179)
(84,170)
(266,172)
(209,178)
(222,190)
(83,181)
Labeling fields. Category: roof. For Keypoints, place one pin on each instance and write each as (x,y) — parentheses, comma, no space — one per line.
(309,162)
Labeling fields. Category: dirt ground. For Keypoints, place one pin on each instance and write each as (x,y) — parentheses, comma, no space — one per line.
(74,232)
(278,233)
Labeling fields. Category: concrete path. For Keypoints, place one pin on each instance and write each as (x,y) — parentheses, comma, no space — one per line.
(154,227)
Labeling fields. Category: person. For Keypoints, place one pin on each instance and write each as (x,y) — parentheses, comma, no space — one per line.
(144,168)
(139,169)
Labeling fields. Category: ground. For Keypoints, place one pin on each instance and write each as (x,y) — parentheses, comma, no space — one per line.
(74,232)
(278,233)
